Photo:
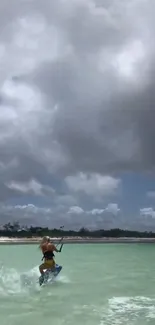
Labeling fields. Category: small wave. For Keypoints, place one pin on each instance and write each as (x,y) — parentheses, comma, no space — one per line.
(127,310)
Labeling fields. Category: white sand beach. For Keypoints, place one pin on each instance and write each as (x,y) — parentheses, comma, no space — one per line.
(74,240)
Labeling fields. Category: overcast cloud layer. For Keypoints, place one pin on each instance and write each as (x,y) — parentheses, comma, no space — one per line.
(77,109)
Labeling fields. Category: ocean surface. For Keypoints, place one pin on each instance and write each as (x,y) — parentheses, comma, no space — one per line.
(100,284)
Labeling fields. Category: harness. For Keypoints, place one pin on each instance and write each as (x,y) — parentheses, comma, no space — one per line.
(48,255)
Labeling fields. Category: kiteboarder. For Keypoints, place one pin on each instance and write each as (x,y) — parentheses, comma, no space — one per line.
(48,250)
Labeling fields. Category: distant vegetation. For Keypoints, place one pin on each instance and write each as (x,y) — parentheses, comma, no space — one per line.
(15,230)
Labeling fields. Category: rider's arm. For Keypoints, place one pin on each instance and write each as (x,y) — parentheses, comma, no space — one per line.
(55,249)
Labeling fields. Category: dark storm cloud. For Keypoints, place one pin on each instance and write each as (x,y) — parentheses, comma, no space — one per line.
(77,94)
(105,114)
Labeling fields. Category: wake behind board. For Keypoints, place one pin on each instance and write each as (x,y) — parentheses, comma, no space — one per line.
(50,275)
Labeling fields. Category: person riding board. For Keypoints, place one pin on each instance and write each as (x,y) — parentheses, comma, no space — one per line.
(48,250)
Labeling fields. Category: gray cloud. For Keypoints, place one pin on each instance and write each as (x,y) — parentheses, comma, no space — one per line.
(93,185)
(77,95)
(32,187)
(74,217)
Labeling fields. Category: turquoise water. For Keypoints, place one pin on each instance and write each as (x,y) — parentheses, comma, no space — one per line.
(104,284)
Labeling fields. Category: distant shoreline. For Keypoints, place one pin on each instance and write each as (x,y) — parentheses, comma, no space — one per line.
(75,240)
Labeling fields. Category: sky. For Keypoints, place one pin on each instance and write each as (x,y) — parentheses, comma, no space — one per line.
(77,97)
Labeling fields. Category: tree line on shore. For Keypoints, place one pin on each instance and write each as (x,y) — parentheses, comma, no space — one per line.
(15,230)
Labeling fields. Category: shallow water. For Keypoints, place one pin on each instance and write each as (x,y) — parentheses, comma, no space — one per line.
(103,284)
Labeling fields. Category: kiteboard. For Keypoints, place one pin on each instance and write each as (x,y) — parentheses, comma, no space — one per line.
(50,274)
